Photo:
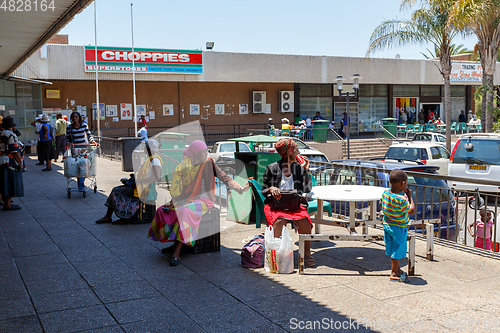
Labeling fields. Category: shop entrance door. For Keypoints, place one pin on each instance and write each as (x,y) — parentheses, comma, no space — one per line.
(435,108)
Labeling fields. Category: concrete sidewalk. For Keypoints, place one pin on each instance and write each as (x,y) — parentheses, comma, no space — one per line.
(60,272)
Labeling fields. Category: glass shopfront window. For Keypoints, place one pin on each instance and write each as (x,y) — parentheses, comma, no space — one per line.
(22,101)
(316,98)
(371,112)
(408,105)
(340,108)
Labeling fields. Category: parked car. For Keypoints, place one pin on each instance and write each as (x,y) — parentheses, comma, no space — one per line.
(476,155)
(226,149)
(269,146)
(430,137)
(427,153)
(433,197)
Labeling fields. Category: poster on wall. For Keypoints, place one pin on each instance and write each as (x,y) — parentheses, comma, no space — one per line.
(219,109)
(243,108)
(116,119)
(126,111)
(194,109)
(101,111)
(111,110)
(82,110)
(151,115)
(268,108)
(141,110)
(168,109)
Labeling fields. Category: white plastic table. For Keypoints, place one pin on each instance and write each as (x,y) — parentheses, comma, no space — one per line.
(346,193)
(351,194)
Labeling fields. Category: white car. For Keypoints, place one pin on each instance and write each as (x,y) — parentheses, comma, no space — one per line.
(476,155)
(226,148)
(426,153)
(431,138)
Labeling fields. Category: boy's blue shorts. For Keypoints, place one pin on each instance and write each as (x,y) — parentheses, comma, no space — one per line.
(395,241)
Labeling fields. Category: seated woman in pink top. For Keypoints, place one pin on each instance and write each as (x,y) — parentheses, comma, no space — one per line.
(482,242)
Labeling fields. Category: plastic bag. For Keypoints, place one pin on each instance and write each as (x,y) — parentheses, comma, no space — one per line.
(70,167)
(278,251)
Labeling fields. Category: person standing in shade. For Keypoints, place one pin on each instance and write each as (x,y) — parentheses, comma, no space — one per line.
(347,123)
(37,125)
(46,144)
(11,172)
(469,116)
(270,125)
(61,126)
(421,117)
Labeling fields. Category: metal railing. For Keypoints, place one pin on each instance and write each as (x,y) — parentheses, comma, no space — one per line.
(442,212)
(110,148)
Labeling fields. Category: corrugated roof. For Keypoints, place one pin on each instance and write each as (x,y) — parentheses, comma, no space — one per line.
(24,30)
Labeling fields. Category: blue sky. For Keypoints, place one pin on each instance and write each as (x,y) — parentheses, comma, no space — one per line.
(332,28)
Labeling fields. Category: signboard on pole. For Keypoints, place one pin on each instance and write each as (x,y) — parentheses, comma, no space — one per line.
(163,61)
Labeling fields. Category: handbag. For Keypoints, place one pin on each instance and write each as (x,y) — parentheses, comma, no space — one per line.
(290,200)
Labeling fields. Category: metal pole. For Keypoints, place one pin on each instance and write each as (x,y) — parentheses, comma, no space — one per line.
(348,127)
(133,67)
(96,73)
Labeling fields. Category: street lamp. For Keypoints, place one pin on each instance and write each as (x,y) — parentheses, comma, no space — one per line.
(347,95)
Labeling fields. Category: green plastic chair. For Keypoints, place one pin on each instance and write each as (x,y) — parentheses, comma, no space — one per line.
(259,202)
(465,128)
(431,128)
(453,127)
(401,129)
(285,132)
(300,134)
(313,204)
(410,129)
(480,128)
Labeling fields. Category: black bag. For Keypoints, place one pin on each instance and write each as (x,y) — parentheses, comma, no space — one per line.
(290,200)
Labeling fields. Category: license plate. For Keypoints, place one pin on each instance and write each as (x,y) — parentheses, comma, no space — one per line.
(477,167)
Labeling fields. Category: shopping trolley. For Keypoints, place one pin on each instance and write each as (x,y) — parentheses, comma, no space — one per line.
(80,162)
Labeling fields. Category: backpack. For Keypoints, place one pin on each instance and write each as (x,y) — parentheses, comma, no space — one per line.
(252,254)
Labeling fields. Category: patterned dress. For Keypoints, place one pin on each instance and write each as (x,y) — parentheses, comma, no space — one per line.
(11,178)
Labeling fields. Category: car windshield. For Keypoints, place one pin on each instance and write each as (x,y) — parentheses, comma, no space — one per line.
(423,137)
(484,152)
(230,147)
(406,153)
(316,158)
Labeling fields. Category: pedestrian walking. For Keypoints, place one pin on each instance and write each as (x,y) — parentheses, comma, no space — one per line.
(397,205)
(46,143)
(61,126)
(347,123)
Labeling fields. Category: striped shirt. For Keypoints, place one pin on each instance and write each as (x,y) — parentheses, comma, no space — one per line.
(395,207)
(77,135)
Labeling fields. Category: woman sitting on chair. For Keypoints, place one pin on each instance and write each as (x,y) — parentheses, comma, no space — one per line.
(287,174)
(193,195)
(125,200)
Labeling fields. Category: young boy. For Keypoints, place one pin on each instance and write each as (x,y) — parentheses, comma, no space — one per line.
(397,205)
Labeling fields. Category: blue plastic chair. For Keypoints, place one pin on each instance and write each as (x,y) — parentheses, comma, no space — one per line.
(453,127)
(259,202)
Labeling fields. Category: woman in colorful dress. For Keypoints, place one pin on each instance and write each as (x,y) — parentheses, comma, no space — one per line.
(287,174)
(125,200)
(193,194)
(11,165)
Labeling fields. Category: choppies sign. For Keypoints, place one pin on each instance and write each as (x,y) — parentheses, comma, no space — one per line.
(466,71)
(119,59)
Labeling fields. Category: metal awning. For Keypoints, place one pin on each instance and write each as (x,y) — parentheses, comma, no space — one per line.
(24,32)
(25,80)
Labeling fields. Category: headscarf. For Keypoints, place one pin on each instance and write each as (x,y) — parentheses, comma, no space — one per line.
(193,148)
(285,147)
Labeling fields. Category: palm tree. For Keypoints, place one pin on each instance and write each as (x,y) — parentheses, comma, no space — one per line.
(429,24)
(482,17)
(454,50)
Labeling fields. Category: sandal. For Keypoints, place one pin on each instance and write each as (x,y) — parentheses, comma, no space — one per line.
(47,169)
(103,220)
(309,261)
(12,207)
(174,261)
(402,278)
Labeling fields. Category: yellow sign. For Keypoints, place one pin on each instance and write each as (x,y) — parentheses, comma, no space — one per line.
(52,93)
(477,167)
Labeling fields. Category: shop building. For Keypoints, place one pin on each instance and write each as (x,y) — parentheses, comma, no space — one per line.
(224,90)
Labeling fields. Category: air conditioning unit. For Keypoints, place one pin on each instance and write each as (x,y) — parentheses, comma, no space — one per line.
(286,101)
(258,102)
